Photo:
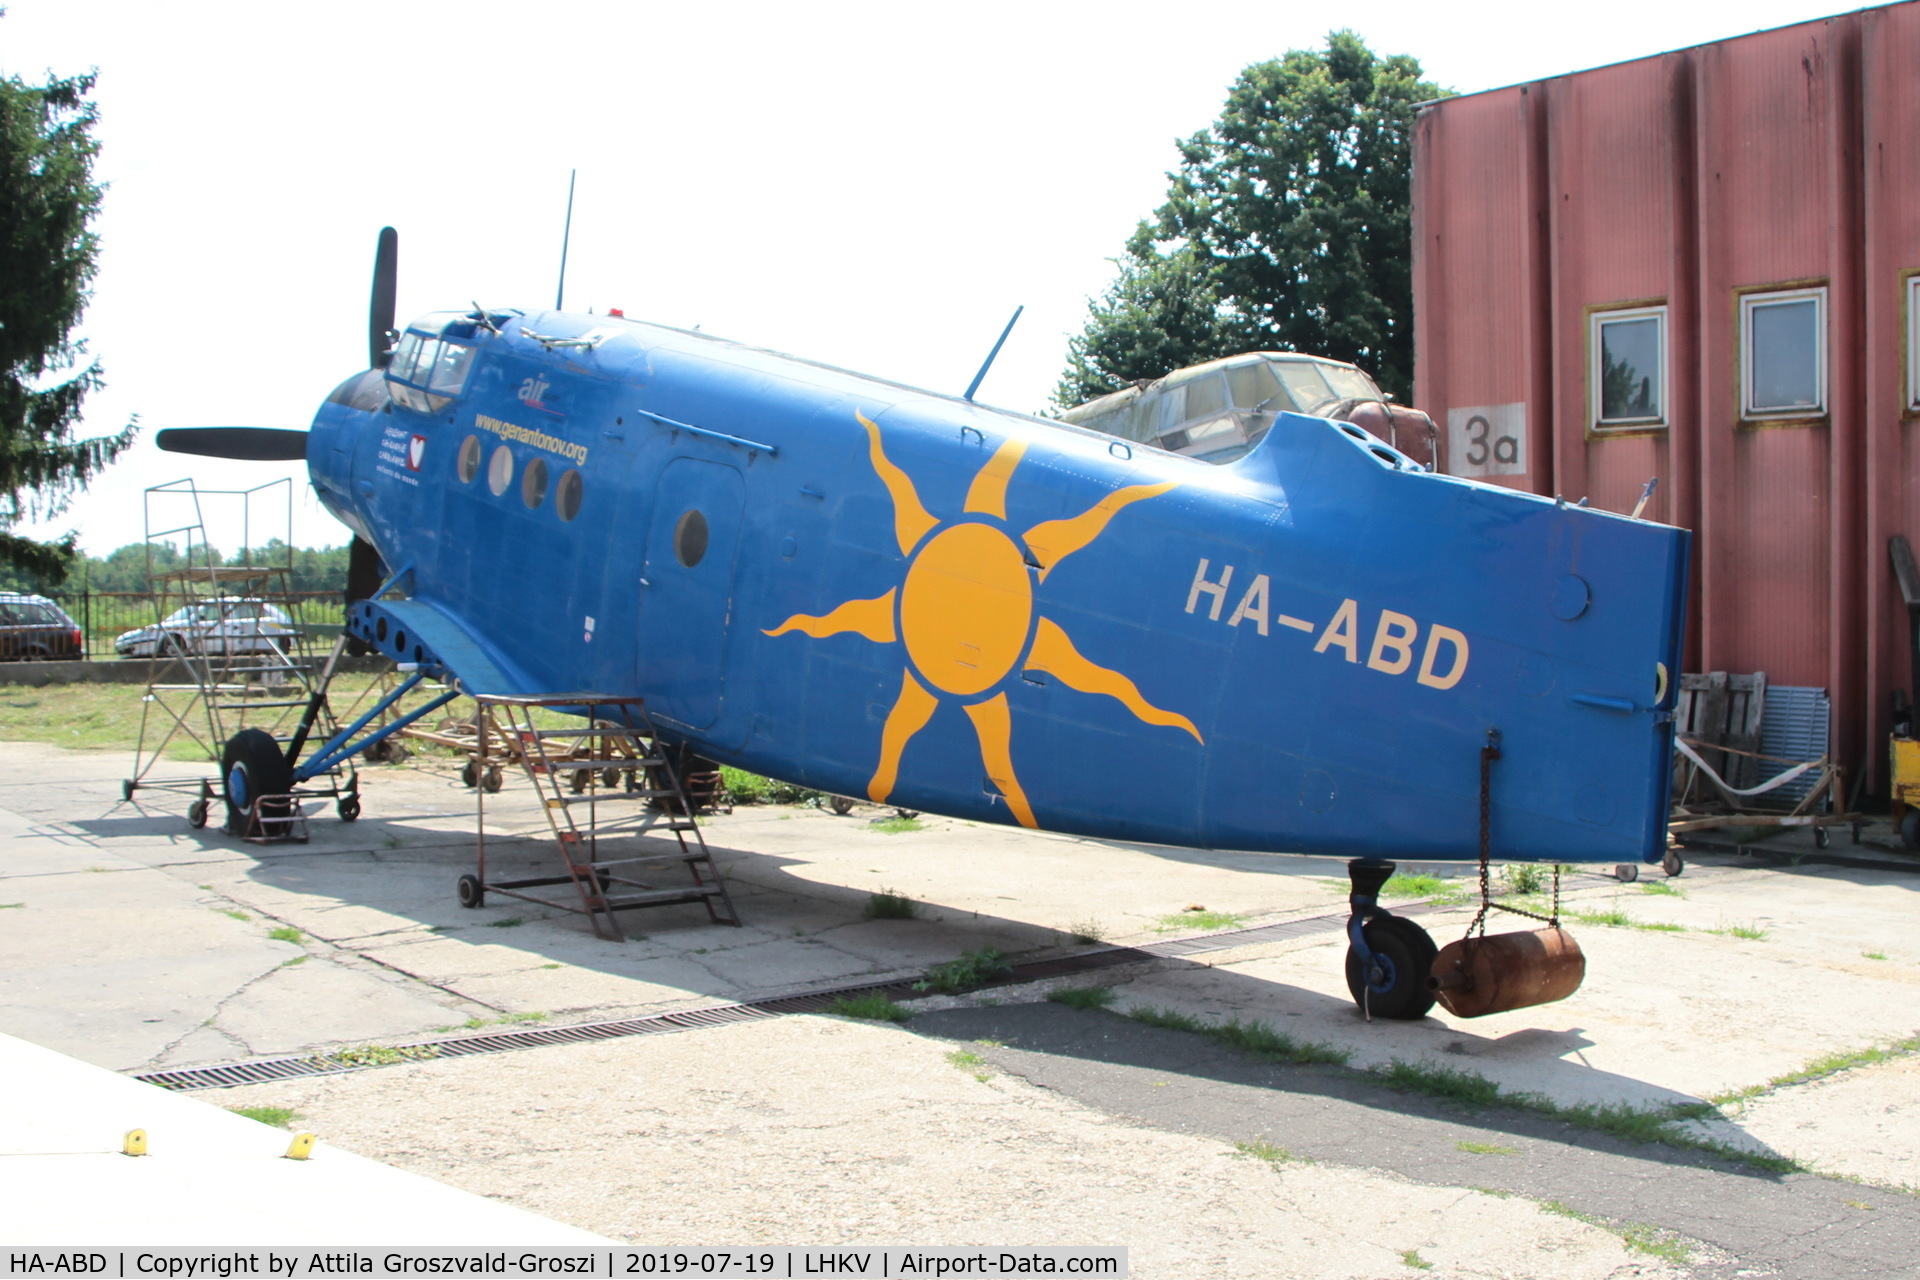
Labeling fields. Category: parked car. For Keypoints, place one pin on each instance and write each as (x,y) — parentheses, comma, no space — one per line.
(35,629)
(225,625)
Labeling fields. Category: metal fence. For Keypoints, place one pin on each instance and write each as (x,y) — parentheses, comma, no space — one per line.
(104,616)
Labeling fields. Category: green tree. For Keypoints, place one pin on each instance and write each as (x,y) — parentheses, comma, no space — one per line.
(47,200)
(1293,211)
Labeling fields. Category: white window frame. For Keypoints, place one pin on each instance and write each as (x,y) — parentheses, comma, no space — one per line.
(1594,368)
(1748,301)
(1913,343)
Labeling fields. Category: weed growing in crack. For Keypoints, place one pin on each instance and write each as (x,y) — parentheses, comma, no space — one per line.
(287,933)
(871,1006)
(1524,877)
(511,922)
(1087,932)
(1751,932)
(9,906)
(1873,955)
(1198,918)
(550,966)
(231,914)
(1661,888)
(288,964)
(1412,1258)
(897,825)
(1254,1038)
(1637,1236)
(375,1055)
(1261,1149)
(1485,1149)
(1082,997)
(969,969)
(1827,1064)
(971,1063)
(889,905)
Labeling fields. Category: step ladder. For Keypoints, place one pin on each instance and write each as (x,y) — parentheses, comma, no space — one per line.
(607,781)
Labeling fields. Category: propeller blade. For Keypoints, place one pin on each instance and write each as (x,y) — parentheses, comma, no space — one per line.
(365,570)
(386,284)
(247,444)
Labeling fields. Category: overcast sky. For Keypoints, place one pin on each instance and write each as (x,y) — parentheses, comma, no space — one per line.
(876,186)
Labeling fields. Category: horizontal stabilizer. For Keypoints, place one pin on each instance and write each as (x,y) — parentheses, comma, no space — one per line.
(245,444)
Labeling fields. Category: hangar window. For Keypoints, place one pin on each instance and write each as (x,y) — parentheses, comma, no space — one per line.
(1913,341)
(1783,354)
(1628,373)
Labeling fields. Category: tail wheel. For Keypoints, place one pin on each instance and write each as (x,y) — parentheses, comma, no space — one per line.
(1403,955)
(254,766)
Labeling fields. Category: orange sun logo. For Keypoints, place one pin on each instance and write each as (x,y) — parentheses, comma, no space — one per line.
(966,612)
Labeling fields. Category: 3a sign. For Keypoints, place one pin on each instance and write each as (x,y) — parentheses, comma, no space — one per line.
(1487,440)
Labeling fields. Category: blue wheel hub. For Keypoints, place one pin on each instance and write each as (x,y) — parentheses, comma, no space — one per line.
(237,787)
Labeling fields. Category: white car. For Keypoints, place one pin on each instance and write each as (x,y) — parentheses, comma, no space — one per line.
(224,625)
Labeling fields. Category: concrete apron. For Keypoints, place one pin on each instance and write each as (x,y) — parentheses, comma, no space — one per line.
(139,942)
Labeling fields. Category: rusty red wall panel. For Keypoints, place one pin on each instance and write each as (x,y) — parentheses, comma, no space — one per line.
(1775,159)
(1890,123)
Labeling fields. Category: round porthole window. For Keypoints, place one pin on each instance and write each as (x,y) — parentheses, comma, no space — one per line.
(690,538)
(566,499)
(500,470)
(533,483)
(469,464)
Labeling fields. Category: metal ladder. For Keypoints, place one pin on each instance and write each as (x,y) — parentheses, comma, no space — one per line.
(615,759)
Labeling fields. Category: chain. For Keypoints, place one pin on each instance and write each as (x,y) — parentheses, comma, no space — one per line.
(1488,754)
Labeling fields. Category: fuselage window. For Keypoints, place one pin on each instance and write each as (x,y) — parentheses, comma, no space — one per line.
(469,459)
(690,539)
(533,483)
(566,498)
(500,470)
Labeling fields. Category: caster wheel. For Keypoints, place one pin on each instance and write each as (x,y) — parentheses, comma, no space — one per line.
(609,778)
(1404,955)
(578,782)
(1910,830)
(197,814)
(470,774)
(1626,873)
(493,778)
(471,892)
(842,805)
(1821,838)
(1673,864)
(377,752)
(349,808)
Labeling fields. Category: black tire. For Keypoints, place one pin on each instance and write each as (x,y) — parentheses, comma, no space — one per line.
(1910,830)
(493,779)
(470,773)
(1821,838)
(842,805)
(253,765)
(349,808)
(471,892)
(197,814)
(1407,954)
(1673,864)
(1626,873)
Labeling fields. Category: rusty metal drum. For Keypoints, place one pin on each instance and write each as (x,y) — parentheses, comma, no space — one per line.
(1502,971)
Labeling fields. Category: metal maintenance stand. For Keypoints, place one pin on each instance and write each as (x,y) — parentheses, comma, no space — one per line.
(613,762)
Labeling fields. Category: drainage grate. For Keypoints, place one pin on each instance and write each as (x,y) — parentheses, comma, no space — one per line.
(262,1070)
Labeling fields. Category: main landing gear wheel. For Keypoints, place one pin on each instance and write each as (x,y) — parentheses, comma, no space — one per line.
(1673,864)
(1403,957)
(254,766)
(471,892)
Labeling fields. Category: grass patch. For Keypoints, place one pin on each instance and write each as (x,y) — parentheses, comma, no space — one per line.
(511,922)
(550,966)
(9,906)
(871,1006)
(231,914)
(897,825)
(1255,1038)
(971,1063)
(751,788)
(1751,932)
(287,933)
(1524,877)
(1485,1149)
(888,905)
(1082,997)
(1661,889)
(288,964)
(1873,955)
(1451,1083)
(1261,1149)
(1424,886)
(1615,918)
(1412,1258)
(1198,918)
(278,1117)
(969,969)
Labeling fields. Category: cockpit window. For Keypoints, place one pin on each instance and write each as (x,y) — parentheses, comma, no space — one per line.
(1349,384)
(450,369)
(428,370)
(1303,381)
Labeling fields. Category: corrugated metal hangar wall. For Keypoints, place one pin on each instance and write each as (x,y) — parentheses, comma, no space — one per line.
(1702,267)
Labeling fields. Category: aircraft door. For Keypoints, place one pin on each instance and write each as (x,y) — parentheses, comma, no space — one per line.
(686,594)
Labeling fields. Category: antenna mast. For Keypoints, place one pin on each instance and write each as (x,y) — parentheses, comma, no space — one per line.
(560,296)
